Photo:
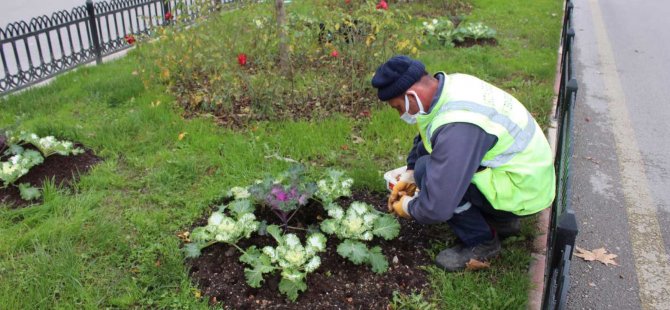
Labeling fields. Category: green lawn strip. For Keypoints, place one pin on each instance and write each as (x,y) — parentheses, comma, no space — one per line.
(503,286)
(110,241)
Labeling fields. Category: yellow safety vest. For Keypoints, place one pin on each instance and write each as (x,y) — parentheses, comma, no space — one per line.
(519,175)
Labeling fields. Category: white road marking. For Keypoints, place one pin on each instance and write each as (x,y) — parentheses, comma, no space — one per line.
(652,263)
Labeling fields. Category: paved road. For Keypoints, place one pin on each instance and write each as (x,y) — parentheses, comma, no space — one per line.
(16,10)
(621,163)
(24,10)
(65,40)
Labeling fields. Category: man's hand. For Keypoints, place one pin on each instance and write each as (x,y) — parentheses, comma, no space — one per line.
(400,207)
(406,185)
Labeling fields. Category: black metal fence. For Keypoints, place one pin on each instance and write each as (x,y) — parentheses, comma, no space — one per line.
(563,224)
(45,46)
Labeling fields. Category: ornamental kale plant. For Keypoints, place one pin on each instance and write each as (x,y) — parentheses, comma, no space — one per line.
(21,160)
(223,228)
(284,194)
(360,222)
(443,32)
(293,259)
(47,146)
(333,186)
(18,165)
(440,31)
(476,31)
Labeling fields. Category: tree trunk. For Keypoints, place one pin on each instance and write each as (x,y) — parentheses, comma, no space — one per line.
(281,27)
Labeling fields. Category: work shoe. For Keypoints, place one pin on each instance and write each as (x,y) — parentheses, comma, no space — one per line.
(506,229)
(454,258)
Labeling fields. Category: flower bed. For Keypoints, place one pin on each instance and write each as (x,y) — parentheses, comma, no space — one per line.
(28,162)
(337,283)
(230,66)
(287,237)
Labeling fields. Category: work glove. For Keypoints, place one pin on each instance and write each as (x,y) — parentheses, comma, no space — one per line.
(405,184)
(400,207)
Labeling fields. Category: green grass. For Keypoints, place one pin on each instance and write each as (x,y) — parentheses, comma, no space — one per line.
(111,240)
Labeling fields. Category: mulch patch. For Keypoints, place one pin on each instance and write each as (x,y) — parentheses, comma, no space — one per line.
(337,284)
(470,42)
(64,170)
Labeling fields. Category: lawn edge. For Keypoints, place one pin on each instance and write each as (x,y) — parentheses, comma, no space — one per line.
(537,266)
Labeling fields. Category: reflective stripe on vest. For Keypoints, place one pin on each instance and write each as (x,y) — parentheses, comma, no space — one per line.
(522,137)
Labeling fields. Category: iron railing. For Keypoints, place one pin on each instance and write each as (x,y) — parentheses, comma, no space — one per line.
(563,224)
(37,50)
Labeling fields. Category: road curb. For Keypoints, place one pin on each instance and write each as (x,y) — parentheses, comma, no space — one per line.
(537,266)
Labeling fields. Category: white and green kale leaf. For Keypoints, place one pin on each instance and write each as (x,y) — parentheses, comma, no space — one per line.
(294,259)
(359,223)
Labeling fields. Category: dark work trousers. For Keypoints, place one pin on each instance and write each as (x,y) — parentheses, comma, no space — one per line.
(469,221)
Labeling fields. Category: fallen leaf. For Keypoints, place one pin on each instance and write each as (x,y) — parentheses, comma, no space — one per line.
(158,263)
(474,265)
(589,158)
(600,255)
(183,236)
(344,147)
(211,170)
(182,135)
(135,72)
(165,74)
(197,294)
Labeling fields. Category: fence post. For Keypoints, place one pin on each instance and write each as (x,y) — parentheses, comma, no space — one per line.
(94,31)
(166,8)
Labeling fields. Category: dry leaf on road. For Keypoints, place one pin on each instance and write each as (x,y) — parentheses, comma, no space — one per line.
(600,255)
(474,265)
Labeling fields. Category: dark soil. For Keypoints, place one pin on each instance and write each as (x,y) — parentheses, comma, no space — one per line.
(337,284)
(470,42)
(64,170)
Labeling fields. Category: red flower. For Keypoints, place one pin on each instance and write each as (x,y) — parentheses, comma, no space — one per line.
(382,5)
(130,38)
(347,1)
(334,53)
(242,59)
(168,16)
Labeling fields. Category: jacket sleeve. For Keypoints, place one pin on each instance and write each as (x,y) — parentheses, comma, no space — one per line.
(458,150)
(417,151)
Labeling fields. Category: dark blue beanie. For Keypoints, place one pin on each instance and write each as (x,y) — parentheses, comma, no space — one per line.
(396,76)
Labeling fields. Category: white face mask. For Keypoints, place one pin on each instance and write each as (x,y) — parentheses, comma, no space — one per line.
(409,118)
